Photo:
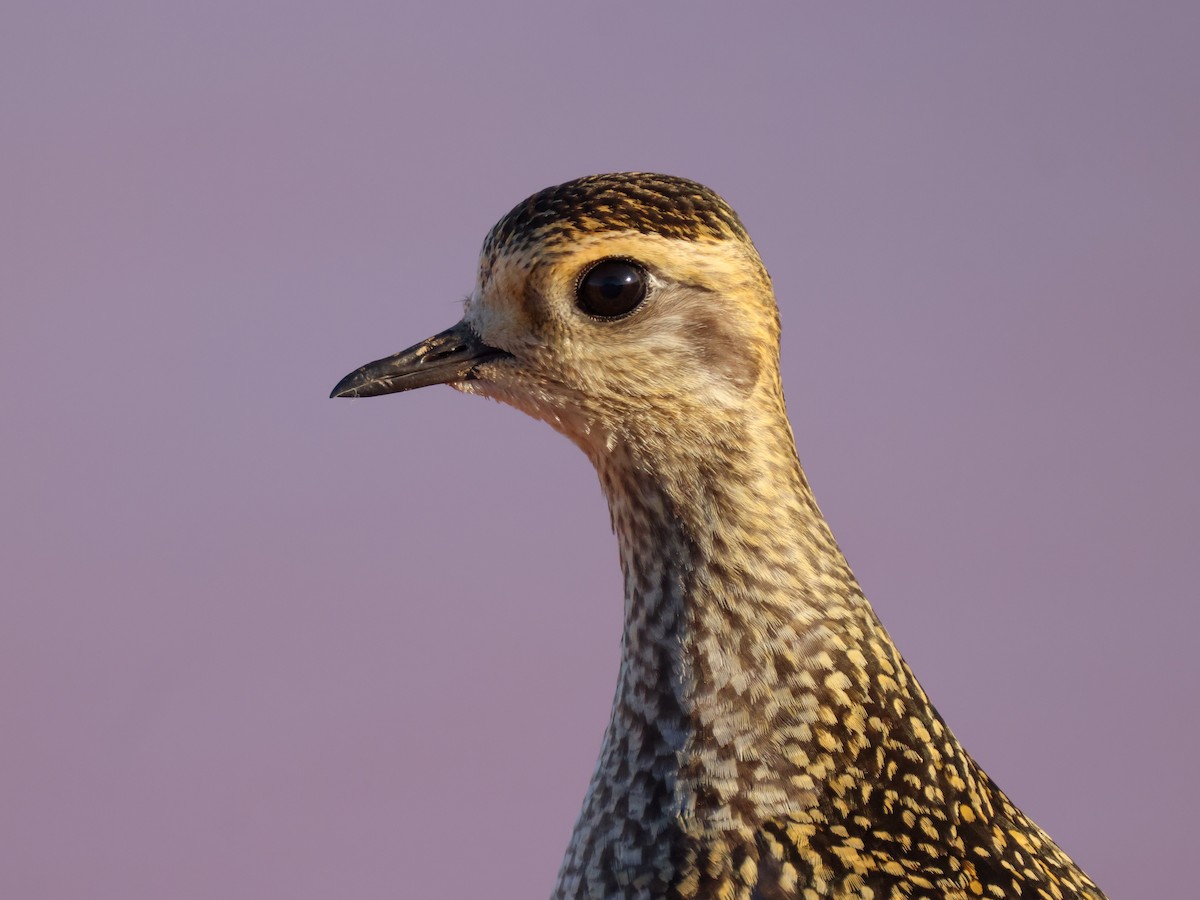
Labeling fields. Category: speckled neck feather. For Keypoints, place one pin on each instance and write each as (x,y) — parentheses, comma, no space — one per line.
(767,739)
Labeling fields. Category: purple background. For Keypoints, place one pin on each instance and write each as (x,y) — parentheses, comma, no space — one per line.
(255,643)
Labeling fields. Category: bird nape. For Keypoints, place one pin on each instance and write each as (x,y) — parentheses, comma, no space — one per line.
(767,740)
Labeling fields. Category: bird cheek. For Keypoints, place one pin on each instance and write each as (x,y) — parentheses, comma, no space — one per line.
(725,350)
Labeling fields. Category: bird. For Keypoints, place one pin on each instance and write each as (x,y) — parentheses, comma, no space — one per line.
(767,741)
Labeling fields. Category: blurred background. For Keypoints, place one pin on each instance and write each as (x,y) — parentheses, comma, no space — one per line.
(256,643)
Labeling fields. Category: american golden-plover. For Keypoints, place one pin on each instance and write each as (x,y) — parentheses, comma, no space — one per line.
(767,740)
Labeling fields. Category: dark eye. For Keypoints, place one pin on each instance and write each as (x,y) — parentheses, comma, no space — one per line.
(611,288)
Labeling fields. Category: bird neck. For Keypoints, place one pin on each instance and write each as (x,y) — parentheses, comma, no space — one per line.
(756,684)
(733,584)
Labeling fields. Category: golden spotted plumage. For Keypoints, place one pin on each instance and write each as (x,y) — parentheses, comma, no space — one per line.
(767,740)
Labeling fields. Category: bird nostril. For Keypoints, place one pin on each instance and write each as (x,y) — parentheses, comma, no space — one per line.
(440,348)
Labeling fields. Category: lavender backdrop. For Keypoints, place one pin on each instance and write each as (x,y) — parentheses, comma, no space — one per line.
(255,643)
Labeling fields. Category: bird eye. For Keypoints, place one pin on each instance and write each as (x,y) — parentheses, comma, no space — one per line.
(611,288)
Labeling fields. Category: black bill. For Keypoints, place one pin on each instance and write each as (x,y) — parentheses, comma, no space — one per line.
(449,356)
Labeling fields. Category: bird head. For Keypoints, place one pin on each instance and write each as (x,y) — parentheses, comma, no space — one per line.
(615,307)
